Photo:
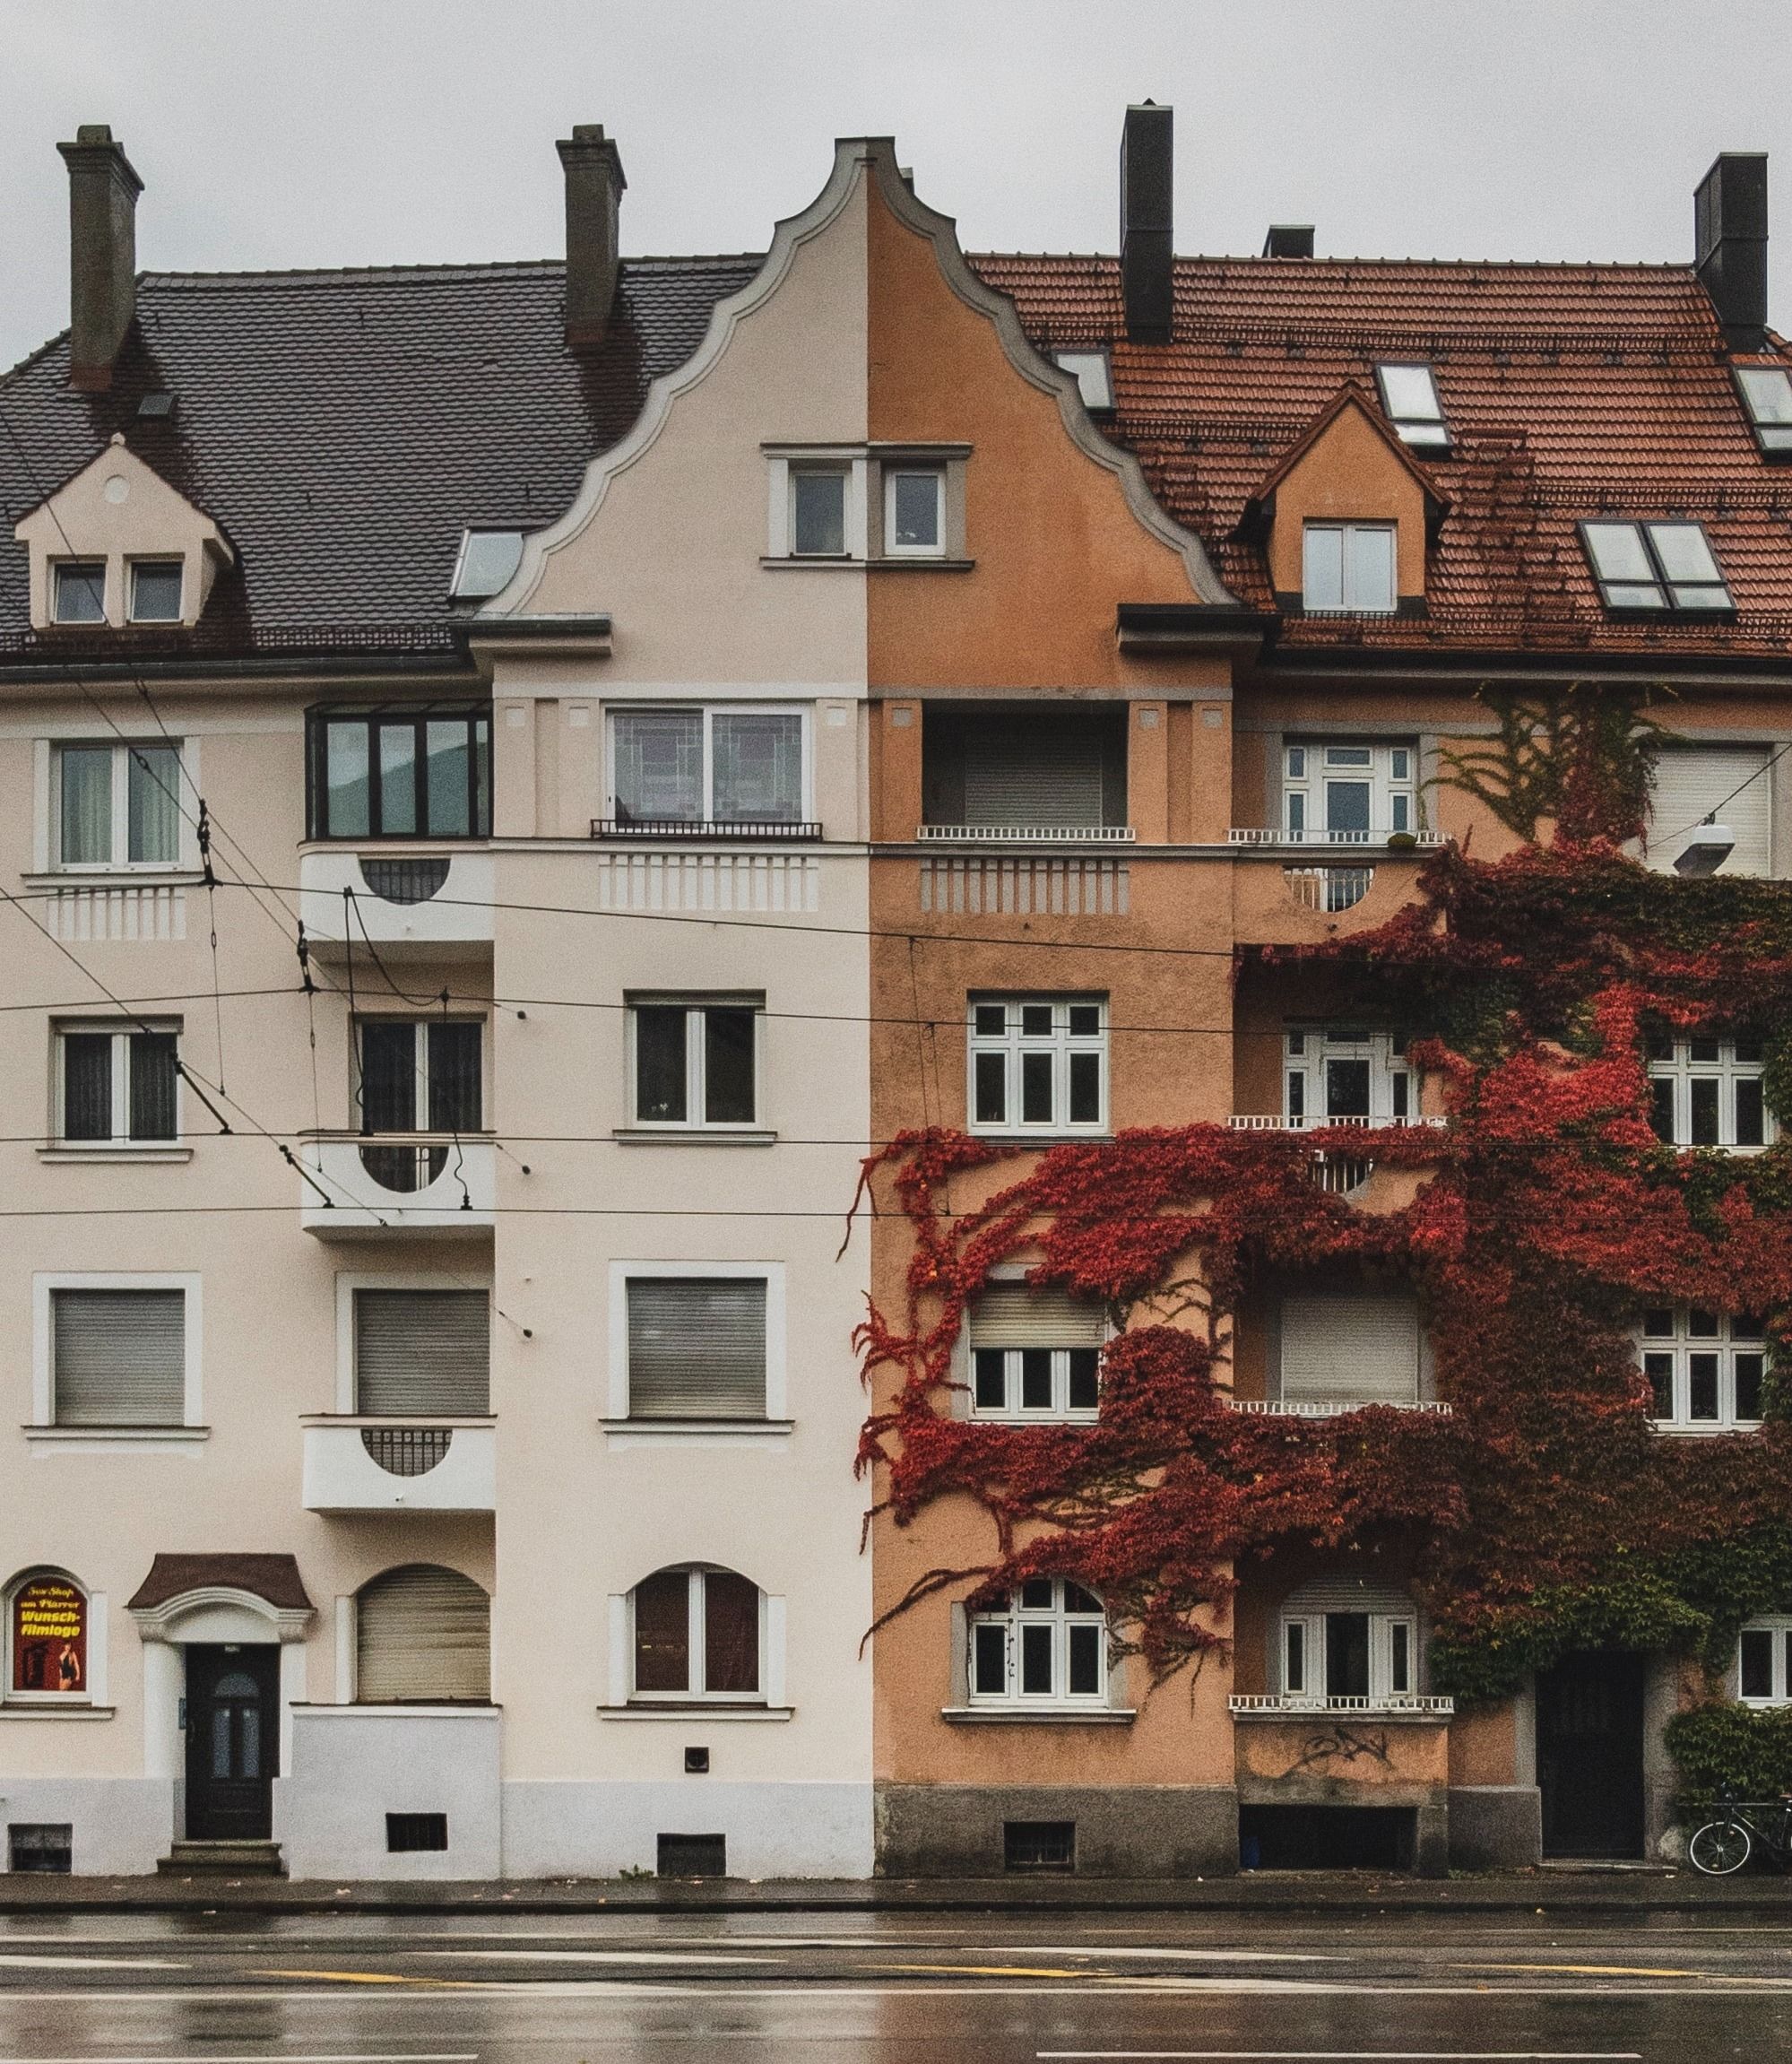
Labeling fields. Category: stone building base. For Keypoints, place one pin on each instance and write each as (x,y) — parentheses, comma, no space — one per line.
(1120,1831)
(1495,1826)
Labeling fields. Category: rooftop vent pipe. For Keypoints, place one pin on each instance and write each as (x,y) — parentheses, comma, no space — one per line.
(1289,240)
(594,184)
(1729,244)
(102,253)
(1147,238)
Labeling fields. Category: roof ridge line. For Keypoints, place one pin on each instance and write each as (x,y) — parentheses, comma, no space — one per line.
(254,276)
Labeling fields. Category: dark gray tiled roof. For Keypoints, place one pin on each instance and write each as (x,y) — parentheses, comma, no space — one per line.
(343,426)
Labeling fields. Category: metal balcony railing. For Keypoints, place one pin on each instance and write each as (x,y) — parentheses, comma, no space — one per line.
(1278,834)
(1332,1408)
(1329,888)
(1253,1122)
(1397,1705)
(408,1451)
(1024,833)
(766,828)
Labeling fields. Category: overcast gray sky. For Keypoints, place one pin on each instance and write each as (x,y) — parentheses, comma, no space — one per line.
(363,132)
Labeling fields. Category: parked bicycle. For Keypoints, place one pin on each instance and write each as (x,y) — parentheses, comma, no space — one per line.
(1741,1827)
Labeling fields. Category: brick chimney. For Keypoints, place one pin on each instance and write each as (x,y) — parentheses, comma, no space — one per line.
(594,184)
(1146,239)
(102,252)
(1289,240)
(1729,244)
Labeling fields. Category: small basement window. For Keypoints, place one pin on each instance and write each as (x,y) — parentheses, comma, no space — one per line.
(1409,396)
(40,1845)
(693,1856)
(80,591)
(1767,396)
(156,588)
(1093,374)
(1655,566)
(1039,1844)
(484,564)
(406,1833)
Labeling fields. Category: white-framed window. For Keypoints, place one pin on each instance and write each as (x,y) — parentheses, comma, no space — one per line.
(1705,1369)
(685,768)
(698,1342)
(1409,397)
(1345,1075)
(117,1351)
(1342,1348)
(696,1633)
(1655,566)
(78,591)
(1348,792)
(116,1085)
(419,1075)
(693,1061)
(157,589)
(819,499)
(819,496)
(1347,568)
(1767,400)
(1728,784)
(1036,1354)
(1764,1660)
(914,511)
(114,804)
(1093,373)
(1038,1064)
(54,1634)
(1347,1642)
(1709,1092)
(1048,1647)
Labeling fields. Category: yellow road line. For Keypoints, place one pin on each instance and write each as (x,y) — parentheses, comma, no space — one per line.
(371,1978)
(984,1969)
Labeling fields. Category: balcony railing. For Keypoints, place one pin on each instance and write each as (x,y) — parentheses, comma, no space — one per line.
(1253,1122)
(755,827)
(395,901)
(1295,1705)
(1329,888)
(357,1465)
(1024,833)
(1332,1408)
(1277,834)
(398,1183)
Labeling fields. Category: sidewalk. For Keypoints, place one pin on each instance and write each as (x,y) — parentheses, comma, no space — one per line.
(1621,1891)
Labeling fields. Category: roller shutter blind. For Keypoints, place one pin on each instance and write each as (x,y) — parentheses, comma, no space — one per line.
(696,1348)
(1691,782)
(120,1358)
(1018,774)
(1345,1347)
(1012,1315)
(423,1635)
(419,1352)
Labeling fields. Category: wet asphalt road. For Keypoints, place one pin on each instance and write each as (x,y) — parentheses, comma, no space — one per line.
(878,1988)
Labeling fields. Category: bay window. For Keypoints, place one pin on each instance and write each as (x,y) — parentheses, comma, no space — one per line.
(398,772)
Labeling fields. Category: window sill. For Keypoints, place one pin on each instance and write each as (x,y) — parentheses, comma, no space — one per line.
(1016,1139)
(919,562)
(670,1433)
(690,1709)
(1677,1429)
(153,1440)
(1067,1418)
(694,1136)
(110,1153)
(1690,1147)
(813,561)
(442,1422)
(159,877)
(1038,1716)
(17,1709)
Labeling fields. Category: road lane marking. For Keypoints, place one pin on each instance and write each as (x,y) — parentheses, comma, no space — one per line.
(272,2057)
(982,1970)
(1375,2056)
(91,1964)
(366,1977)
(587,1955)
(1103,1949)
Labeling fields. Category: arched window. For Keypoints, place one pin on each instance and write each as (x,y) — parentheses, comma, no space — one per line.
(697,1635)
(1347,1643)
(1047,1647)
(46,1647)
(422,1637)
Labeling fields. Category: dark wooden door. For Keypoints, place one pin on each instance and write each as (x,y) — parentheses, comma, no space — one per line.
(232,1742)
(1590,1755)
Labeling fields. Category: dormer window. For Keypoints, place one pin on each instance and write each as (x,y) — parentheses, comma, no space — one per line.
(1655,567)
(1767,396)
(1093,374)
(156,588)
(1348,568)
(484,564)
(81,591)
(1409,396)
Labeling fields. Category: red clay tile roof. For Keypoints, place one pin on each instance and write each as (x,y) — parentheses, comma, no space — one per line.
(1571,391)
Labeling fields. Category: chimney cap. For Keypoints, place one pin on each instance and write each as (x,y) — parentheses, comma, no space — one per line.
(1289,240)
(94,144)
(589,140)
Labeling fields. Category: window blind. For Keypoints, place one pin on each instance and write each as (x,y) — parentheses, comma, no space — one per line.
(120,1358)
(1012,1315)
(1341,1347)
(696,1348)
(1692,782)
(422,1352)
(1022,774)
(421,1635)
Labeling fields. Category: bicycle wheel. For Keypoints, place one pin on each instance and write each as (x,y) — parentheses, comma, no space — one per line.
(1719,1847)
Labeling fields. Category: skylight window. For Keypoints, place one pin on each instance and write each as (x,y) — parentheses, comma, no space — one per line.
(1409,396)
(1092,374)
(1655,566)
(484,565)
(1767,396)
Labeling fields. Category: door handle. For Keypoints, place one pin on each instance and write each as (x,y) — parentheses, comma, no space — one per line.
(181,1723)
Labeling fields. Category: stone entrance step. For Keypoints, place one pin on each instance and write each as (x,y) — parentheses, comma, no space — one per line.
(222,1860)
